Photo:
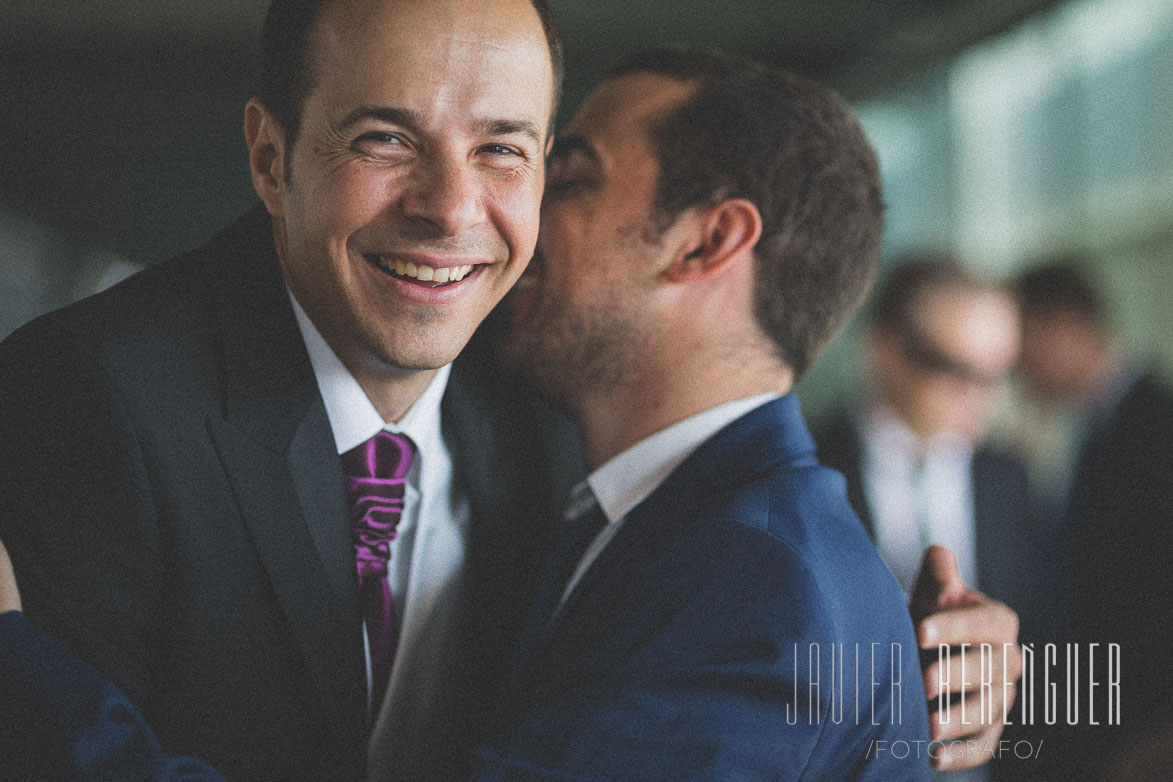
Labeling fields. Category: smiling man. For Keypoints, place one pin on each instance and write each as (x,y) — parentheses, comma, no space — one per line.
(174,498)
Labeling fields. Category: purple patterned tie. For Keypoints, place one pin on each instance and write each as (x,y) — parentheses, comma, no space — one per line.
(375,472)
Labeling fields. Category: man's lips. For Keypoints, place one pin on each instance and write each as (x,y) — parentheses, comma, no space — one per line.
(419,273)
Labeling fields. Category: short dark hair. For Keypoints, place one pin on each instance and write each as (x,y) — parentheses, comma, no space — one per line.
(796,151)
(912,278)
(286,75)
(1061,283)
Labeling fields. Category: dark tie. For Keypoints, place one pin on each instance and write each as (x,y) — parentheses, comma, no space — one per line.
(375,478)
(582,527)
(582,524)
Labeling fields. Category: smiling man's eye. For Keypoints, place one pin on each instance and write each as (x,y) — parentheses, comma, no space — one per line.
(505,157)
(379,141)
(378,137)
(501,149)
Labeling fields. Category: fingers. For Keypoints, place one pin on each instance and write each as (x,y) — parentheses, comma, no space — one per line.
(982,621)
(980,685)
(971,685)
(986,677)
(968,752)
(965,728)
(969,698)
(938,584)
(9,596)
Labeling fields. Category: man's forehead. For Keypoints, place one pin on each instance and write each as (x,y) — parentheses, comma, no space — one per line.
(368,56)
(632,99)
(492,17)
(574,145)
(618,119)
(972,321)
(346,30)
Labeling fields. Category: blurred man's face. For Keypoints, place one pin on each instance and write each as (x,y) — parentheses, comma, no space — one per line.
(1058,349)
(947,372)
(587,303)
(412,202)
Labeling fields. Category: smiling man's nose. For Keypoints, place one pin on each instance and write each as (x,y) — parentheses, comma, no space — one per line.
(447,195)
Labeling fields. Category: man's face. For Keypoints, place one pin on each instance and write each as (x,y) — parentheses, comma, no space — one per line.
(947,373)
(411,203)
(588,302)
(1058,347)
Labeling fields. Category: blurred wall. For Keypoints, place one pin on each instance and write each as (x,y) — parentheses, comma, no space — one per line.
(1056,136)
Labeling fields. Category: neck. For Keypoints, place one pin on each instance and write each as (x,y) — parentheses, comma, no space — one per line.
(393,392)
(655,400)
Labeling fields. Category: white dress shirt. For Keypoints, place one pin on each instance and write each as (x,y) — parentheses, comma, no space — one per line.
(627,479)
(428,553)
(920,493)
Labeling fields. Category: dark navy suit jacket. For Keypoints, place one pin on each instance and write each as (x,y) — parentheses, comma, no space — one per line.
(172,499)
(61,721)
(684,652)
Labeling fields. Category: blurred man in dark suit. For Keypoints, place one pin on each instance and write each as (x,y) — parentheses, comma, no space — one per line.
(1117,526)
(936,355)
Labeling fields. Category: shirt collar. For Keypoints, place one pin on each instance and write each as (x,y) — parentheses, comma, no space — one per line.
(627,479)
(890,442)
(352,417)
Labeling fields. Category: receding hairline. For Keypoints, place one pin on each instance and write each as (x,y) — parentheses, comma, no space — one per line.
(313,48)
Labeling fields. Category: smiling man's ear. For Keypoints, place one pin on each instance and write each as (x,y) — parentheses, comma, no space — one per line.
(725,232)
(266,155)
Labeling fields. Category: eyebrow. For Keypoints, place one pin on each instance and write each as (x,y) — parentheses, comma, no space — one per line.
(508,127)
(388,114)
(411,119)
(565,146)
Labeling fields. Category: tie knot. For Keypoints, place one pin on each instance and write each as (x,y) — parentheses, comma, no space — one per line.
(385,456)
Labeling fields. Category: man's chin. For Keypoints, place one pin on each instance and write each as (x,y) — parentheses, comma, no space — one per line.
(412,359)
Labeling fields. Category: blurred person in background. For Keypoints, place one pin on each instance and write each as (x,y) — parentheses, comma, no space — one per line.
(1116,526)
(936,353)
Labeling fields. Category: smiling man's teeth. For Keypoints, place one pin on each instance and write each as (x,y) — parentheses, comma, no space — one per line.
(422,273)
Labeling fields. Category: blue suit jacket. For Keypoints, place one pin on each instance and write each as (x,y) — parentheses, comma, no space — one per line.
(685,651)
(61,721)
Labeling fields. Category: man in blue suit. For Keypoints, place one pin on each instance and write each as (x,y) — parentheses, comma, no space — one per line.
(707,225)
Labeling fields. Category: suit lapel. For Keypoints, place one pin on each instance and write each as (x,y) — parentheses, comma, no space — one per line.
(773,433)
(275,443)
